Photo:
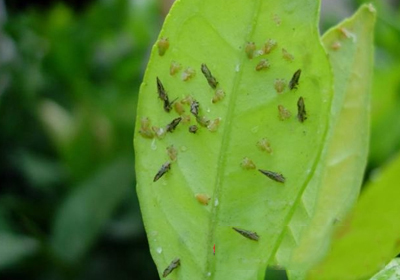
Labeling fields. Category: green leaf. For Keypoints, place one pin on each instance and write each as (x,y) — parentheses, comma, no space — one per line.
(340,172)
(390,272)
(86,211)
(369,237)
(209,163)
(14,248)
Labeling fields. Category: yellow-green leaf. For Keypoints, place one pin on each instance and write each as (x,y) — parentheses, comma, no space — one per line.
(340,172)
(369,237)
(236,40)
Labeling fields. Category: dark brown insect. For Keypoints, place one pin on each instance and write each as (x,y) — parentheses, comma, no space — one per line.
(164,169)
(273,175)
(210,78)
(162,94)
(174,264)
(294,82)
(172,125)
(168,105)
(193,129)
(301,110)
(248,234)
(194,108)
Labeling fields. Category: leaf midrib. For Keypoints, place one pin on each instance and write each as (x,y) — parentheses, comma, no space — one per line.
(225,142)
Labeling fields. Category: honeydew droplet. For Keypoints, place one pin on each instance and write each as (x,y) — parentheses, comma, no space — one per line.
(208,274)
(237,68)
(159,250)
(153,145)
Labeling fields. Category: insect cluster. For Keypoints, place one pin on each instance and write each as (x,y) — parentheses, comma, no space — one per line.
(188,107)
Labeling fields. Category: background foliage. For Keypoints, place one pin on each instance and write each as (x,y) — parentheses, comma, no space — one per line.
(69,77)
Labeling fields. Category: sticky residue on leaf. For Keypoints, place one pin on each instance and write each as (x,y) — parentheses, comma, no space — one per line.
(188,74)
(250,49)
(284,113)
(269,46)
(247,164)
(287,56)
(173,265)
(164,169)
(218,96)
(264,145)
(248,234)
(263,64)
(203,198)
(162,45)
(279,85)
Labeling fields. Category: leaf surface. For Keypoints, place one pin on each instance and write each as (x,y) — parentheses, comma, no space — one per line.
(369,237)
(337,181)
(216,33)
(390,272)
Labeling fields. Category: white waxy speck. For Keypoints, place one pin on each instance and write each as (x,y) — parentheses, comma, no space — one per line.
(159,250)
(183,148)
(237,68)
(259,53)
(254,129)
(208,274)
(153,145)
(216,202)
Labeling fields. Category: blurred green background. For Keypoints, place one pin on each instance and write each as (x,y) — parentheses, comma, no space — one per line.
(69,78)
